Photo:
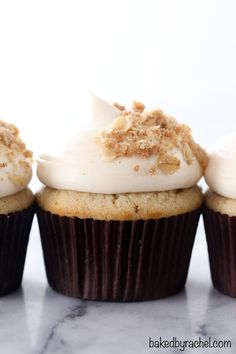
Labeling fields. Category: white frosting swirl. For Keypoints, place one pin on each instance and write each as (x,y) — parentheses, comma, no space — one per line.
(81,166)
(220,174)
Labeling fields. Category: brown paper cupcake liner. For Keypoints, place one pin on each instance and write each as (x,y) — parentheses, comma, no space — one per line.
(117,260)
(14,236)
(221,241)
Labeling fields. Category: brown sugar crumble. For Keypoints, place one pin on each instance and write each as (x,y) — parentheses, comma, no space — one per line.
(138,107)
(11,148)
(119,106)
(153,170)
(150,133)
(9,138)
(16,179)
(3,165)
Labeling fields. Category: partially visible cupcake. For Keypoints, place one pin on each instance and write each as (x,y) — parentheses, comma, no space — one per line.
(120,208)
(220,214)
(16,206)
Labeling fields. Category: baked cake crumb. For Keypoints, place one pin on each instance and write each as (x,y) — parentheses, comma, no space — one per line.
(150,133)
(136,168)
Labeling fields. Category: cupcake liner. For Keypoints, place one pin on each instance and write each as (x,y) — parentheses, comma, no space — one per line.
(14,236)
(117,260)
(221,241)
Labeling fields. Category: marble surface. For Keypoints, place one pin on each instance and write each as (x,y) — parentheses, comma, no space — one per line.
(37,320)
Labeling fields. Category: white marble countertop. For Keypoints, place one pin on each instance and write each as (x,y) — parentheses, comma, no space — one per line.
(37,320)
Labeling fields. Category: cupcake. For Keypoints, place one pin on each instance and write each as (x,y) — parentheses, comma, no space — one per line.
(16,206)
(220,214)
(120,207)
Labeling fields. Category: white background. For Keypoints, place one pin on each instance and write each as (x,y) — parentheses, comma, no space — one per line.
(177,55)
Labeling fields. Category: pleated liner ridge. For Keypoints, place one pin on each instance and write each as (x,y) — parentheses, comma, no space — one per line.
(14,237)
(117,260)
(221,240)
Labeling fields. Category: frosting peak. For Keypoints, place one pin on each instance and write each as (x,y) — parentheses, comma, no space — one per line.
(124,151)
(220,174)
(98,112)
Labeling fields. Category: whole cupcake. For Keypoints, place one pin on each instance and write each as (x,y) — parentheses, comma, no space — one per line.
(119,212)
(220,214)
(16,206)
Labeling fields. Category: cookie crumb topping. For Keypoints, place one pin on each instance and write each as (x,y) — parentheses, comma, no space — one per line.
(13,151)
(9,137)
(119,106)
(150,133)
